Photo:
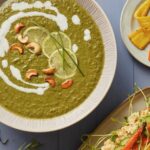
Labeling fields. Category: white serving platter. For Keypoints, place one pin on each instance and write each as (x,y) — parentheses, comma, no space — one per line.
(119,113)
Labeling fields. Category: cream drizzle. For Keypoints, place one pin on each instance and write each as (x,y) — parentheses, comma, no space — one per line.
(16,74)
(76,20)
(4,46)
(60,20)
(4,63)
(39,91)
(38,4)
(74,48)
(87,35)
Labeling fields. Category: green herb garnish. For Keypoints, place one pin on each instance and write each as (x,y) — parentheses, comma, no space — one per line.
(136,88)
(33,145)
(114,137)
(69,56)
(62,55)
(63,50)
(119,122)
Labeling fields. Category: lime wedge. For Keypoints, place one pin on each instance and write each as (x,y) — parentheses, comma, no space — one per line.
(36,34)
(55,41)
(65,67)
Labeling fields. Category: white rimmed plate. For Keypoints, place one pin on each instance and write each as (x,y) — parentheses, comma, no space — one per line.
(129,24)
(45,125)
(119,113)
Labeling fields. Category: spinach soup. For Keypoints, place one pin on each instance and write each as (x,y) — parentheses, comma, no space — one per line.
(51,57)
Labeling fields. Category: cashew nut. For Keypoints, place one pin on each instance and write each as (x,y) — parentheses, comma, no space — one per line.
(34,48)
(18,27)
(22,39)
(51,81)
(18,47)
(49,71)
(30,73)
(67,84)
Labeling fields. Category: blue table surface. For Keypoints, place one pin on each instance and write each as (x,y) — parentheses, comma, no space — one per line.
(129,71)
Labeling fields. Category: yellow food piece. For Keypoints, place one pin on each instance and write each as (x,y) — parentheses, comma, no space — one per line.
(135,33)
(139,38)
(141,15)
(144,22)
(143,9)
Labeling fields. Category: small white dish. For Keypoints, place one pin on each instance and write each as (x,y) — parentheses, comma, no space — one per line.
(129,24)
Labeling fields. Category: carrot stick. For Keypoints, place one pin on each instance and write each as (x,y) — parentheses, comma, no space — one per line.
(144,142)
(149,55)
(135,147)
(134,139)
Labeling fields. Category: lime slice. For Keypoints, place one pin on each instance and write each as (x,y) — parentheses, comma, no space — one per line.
(65,68)
(36,34)
(55,41)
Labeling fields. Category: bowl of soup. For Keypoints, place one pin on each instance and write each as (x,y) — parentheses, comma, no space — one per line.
(57,62)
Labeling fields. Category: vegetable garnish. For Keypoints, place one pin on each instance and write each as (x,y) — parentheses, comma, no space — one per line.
(33,145)
(64,49)
(118,121)
(134,138)
(134,134)
(62,55)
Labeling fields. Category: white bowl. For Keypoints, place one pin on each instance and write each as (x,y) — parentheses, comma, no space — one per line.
(45,125)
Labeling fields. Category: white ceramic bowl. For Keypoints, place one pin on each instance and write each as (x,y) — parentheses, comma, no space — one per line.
(45,125)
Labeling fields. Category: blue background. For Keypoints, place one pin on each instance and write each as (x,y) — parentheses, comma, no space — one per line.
(128,72)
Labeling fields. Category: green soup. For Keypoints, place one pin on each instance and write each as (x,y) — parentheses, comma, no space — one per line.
(75,52)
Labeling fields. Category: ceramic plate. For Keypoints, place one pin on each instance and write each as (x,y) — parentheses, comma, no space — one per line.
(107,125)
(45,125)
(129,24)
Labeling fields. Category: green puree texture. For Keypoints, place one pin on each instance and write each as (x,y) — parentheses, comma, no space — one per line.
(55,101)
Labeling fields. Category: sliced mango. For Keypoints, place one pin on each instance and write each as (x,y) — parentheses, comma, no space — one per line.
(143,9)
(144,22)
(134,33)
(139,38)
